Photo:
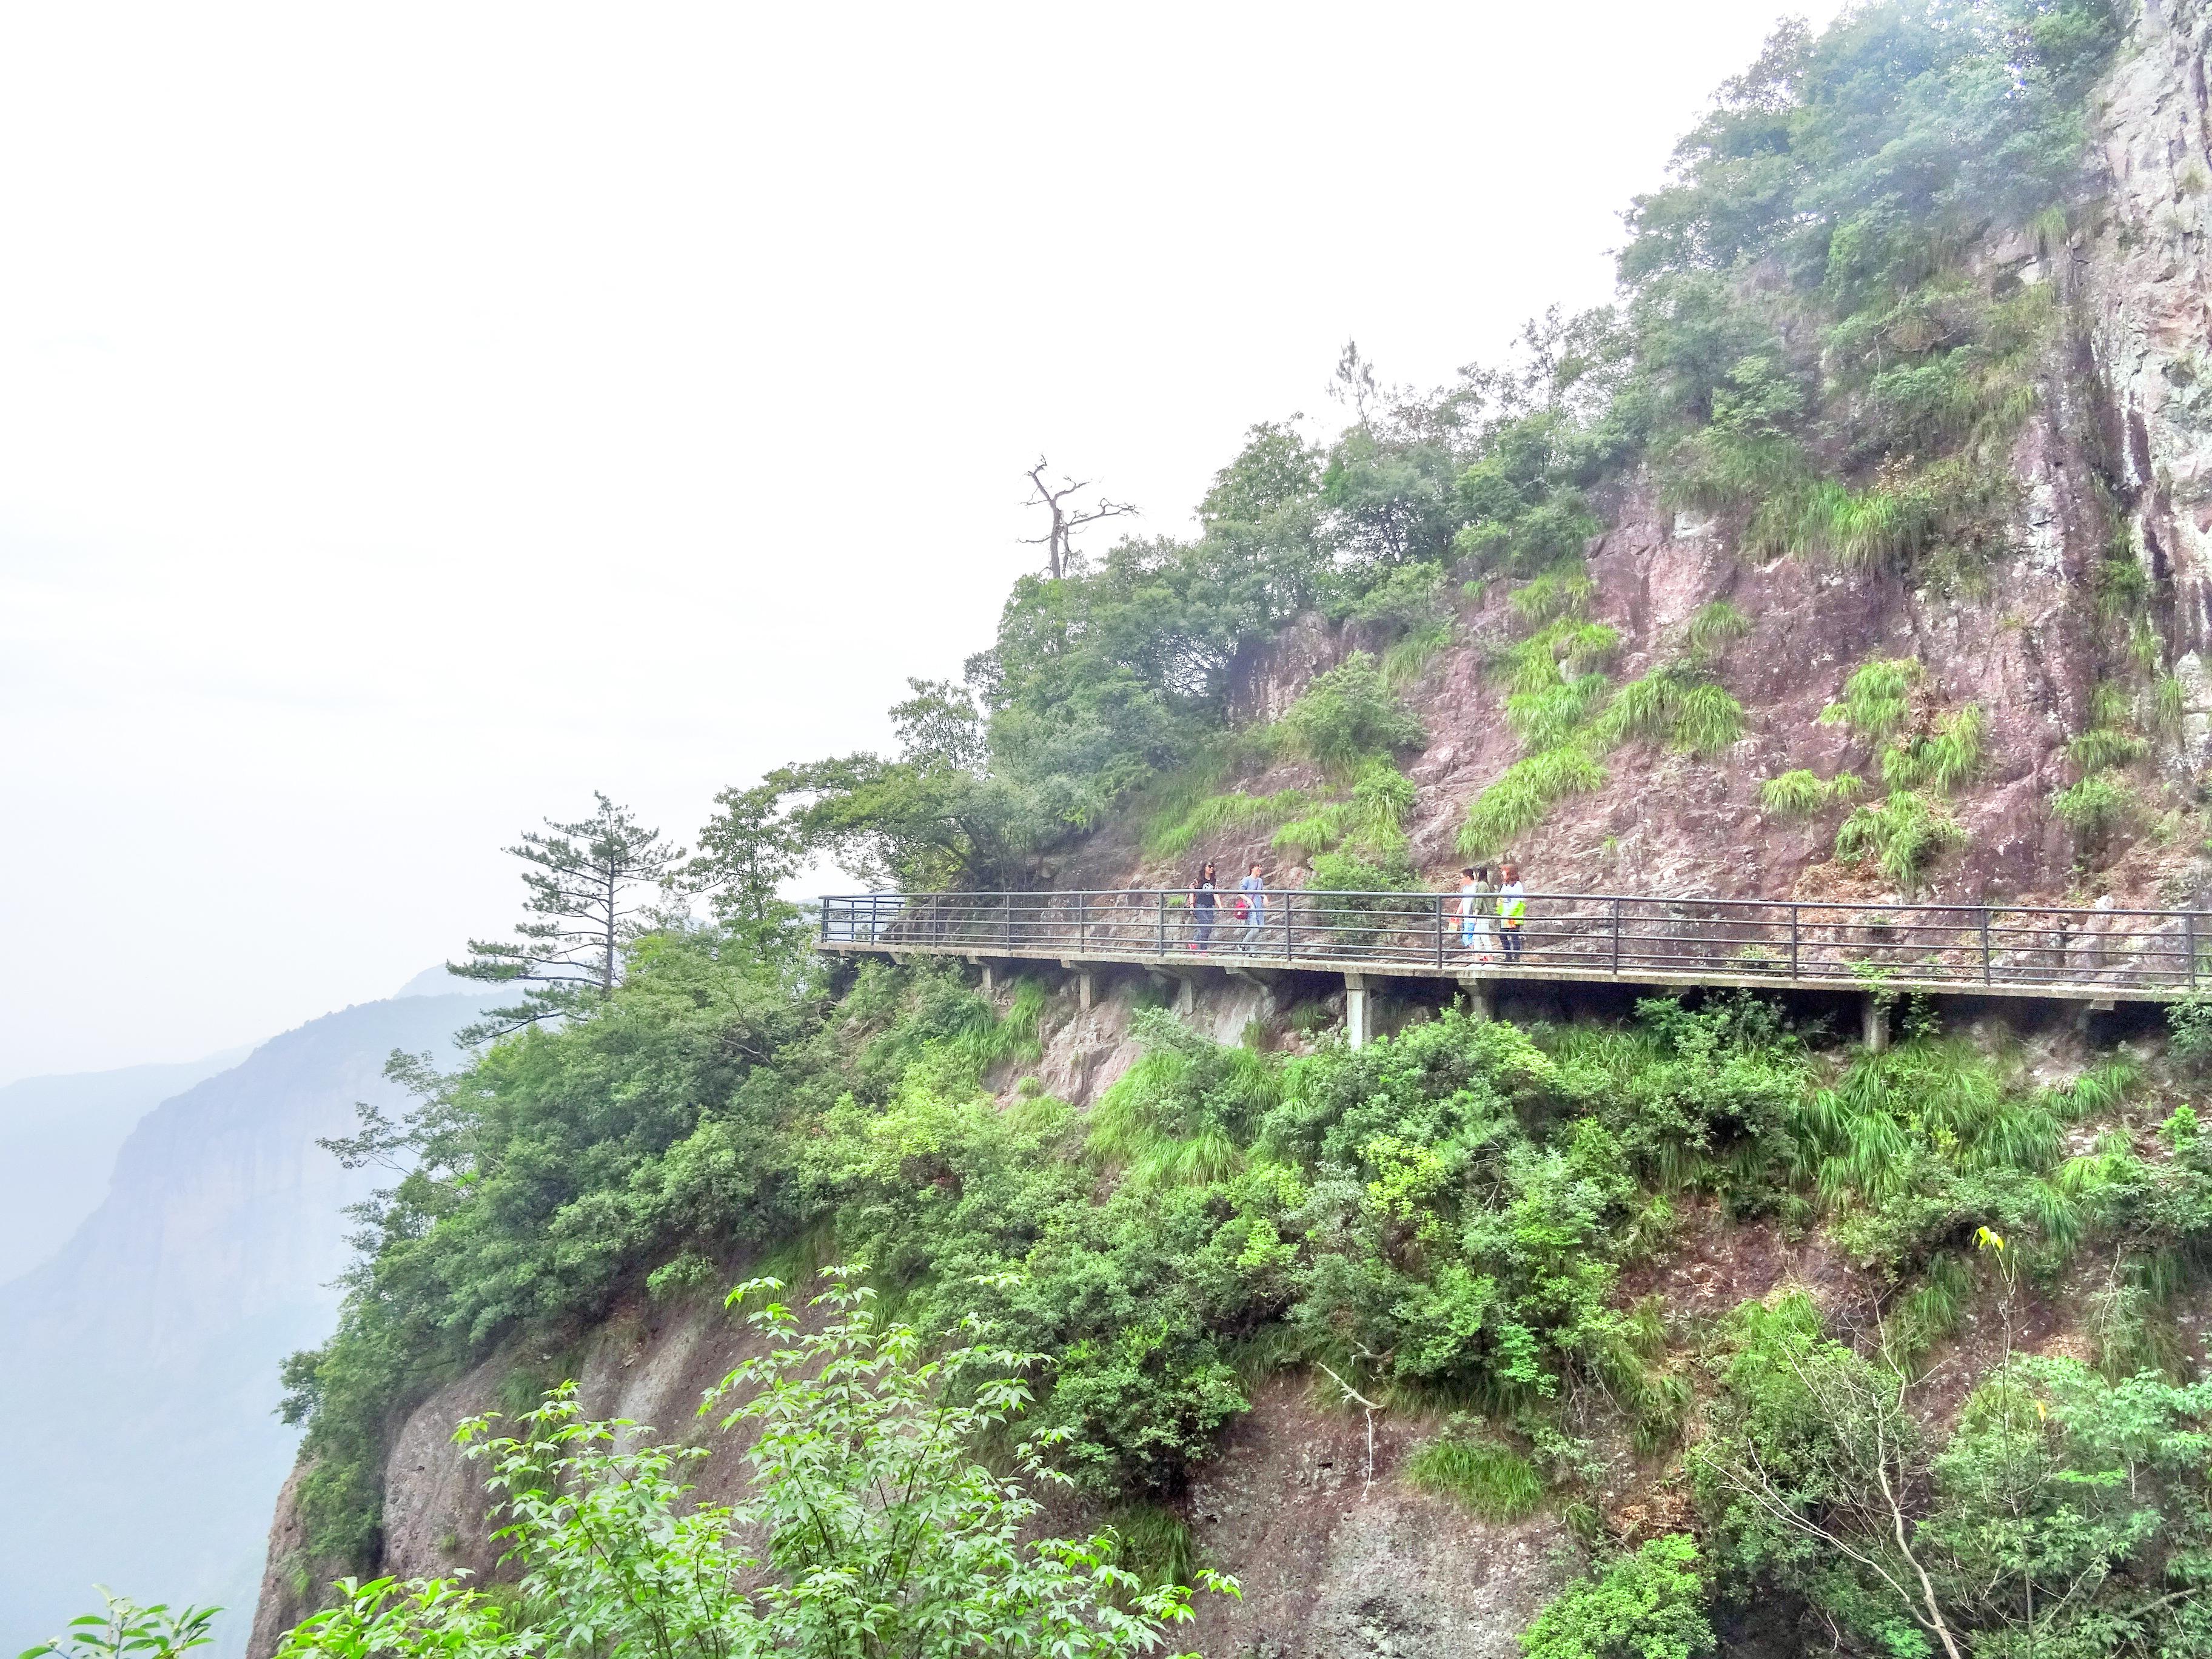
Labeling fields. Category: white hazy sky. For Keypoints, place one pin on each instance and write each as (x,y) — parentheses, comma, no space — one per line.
(412,418)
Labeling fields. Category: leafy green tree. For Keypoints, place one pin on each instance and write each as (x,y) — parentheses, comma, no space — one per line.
(1809,1467)
(2074,1515)
(1647,1604)
(582,884)
(881,1536)
(747,851)
(536,1182)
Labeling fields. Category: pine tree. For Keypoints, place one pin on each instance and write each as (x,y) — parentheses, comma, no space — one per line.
(582,906)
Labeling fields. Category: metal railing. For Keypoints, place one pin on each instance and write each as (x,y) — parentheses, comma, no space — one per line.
(2015,946)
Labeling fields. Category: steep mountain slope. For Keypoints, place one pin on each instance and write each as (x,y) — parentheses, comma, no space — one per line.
(145,1351)
(1873,565)
(58,1136)
(2103,551)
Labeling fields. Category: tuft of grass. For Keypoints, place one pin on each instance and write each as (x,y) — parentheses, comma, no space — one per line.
(1166,837)
(1563,649)
(990,1037)
(1546,719)
(1800,793)
(1941,760)
(1517,801)
(1565,589)
(1863,529)
(1182,1115)
(2101,746)
(1693,716)
(1374,817)
(1930,1311)
(1153,1544)
(1904,834)
(1494,1481)
(2167,705)
(1714,627)
(2093,807)
(1877,698)
(1408,658)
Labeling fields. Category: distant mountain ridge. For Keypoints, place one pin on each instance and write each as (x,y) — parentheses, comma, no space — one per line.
(58,1138)
(142,1355)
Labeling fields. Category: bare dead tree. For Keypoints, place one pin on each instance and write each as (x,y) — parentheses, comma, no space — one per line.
(1060,540)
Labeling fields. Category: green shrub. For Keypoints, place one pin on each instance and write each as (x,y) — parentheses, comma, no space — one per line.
(1345,717)
(2188,1022)
(1649,1604)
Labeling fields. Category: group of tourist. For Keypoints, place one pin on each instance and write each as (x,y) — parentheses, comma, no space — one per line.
(1247,905)
(1491,913)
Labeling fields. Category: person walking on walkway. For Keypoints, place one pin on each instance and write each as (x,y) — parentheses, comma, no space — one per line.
(1512,911)
(1202,904)
(1251,908)
(1478,925)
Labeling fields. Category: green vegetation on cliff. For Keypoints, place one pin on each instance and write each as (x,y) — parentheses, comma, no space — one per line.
(1448,1219)
(1811,340)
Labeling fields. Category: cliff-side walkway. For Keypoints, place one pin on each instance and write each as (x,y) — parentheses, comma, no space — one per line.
(2091,955)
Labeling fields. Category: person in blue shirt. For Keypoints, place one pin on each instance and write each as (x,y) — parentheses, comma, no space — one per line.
(1251,908)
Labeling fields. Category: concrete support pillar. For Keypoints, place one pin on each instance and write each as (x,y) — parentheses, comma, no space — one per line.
(990,986)
(1481,997)
(1186,1002)
(1082,983)
(1873,1027)
(1356,1010)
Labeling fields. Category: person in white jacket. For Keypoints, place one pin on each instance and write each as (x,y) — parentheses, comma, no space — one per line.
(1477,929)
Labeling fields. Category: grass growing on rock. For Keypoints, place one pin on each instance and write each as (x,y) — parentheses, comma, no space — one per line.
(1494,1481)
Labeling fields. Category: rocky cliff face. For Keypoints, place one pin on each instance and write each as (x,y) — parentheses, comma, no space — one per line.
(2122,436)
(2147,294)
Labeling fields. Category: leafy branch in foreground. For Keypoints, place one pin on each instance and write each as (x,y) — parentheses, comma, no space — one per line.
(126,1631)
(879,1534)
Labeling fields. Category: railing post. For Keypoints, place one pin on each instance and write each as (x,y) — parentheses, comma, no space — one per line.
(1986,969)
(1290,899)
(2189,933)
(1616,937)
(1440,932)
(1163,949)
(1794,972)
(1082,922)
(1010,921)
